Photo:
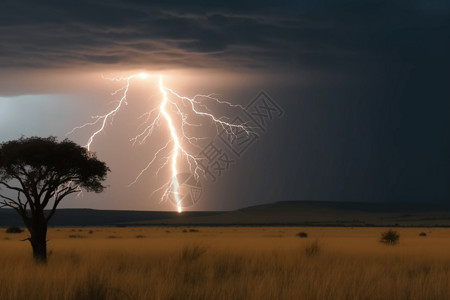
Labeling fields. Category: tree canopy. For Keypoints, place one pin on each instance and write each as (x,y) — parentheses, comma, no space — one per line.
(43,171)
(45,168)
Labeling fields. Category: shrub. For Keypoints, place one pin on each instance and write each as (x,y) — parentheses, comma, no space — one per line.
(113,237)
(313,249)
(390,237)
(14,229)
(422,234)
(140,236)
(193,230)
(302,234)
(76,236)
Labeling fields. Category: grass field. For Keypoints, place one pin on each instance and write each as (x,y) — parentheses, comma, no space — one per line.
(228,263)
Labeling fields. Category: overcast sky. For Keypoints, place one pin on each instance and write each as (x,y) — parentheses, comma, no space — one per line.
(362,89)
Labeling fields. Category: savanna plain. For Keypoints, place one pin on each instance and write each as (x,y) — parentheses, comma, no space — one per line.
(228,263)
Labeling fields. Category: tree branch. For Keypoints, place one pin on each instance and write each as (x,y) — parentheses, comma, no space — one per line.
(6,204)
(9,199)
(11,187)
(47,185)
(56,184)
(17,205)
(22,206)
(25,192)
(58,197)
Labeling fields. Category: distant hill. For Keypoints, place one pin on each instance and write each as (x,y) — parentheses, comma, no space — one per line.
(93,217)
(289,213)
(312,213)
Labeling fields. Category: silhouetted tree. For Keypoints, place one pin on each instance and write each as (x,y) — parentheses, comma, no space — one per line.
(42,171)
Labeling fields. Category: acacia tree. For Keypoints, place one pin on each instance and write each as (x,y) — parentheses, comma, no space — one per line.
(40,172)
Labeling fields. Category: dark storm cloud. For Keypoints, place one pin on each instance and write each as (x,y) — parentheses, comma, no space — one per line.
(47,34)
(64,34)
(364,83)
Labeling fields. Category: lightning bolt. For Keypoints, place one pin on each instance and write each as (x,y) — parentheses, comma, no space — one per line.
(172,105)
(176,144)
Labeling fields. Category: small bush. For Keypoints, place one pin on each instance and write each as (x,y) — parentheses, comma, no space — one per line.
(313,249)
(76,236)
(422,234)
(302,234)
(390,237)
(140,236)
(193,230)
(14,229)
(113,237)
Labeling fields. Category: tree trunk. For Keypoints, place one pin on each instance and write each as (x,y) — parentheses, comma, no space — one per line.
(38,239)
(38,242)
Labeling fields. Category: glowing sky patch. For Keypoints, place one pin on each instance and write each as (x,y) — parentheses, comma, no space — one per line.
(172,105)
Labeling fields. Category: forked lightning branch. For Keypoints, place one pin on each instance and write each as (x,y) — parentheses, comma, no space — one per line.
(173,109)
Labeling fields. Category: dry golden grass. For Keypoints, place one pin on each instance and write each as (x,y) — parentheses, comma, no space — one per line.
(228,263)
